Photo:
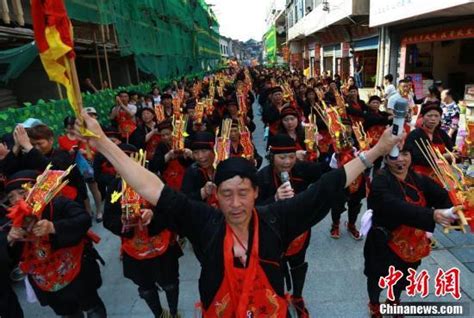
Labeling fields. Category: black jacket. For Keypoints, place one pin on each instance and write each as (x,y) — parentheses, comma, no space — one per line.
(279,224)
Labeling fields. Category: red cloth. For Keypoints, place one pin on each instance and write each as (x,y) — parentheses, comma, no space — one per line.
(48,13)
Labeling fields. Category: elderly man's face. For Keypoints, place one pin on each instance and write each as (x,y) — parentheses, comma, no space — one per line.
(236,198)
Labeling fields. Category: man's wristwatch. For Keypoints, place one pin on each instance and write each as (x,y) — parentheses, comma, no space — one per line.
(364,160)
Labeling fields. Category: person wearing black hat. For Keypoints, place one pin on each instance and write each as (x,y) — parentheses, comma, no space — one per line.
(167,104)
(198,181)
(430,132)
(146,136)
(406,206)
(240,246)
(232,111)
(168,163)
(150,252)
(282,179)
(290,125)
(375,120)
(57,255)
(271,110)
(236,148)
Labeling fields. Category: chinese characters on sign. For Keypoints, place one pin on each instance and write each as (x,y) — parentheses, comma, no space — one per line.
(446,282)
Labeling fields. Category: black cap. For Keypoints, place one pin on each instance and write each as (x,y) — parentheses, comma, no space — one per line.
(236,166)
(426,107)
(282,143)
(203,140)
(276,89)
(374,97)
(18,179)
(287,111)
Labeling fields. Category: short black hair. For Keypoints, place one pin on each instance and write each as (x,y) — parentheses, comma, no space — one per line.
(389,77)
(123,92)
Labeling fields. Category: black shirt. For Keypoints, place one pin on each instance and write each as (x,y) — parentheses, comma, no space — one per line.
(279,224)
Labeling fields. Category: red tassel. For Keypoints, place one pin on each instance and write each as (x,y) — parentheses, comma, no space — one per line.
(18,212)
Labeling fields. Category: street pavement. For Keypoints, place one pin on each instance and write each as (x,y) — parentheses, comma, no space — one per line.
(335,285)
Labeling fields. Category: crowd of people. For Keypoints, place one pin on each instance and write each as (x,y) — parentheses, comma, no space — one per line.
(248,215)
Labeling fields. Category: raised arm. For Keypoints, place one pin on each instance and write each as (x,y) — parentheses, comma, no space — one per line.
(146,183)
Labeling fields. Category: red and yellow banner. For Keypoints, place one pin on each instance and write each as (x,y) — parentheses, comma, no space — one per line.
(54,39)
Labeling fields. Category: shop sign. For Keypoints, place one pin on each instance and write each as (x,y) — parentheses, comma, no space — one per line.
(440,35)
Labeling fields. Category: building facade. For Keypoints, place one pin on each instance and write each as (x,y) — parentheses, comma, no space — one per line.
(429,42)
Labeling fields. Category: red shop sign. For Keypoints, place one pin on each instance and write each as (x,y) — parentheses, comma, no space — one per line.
(453,33)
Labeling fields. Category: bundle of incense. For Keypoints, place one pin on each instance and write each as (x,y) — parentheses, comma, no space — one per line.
(179,131)
(160,113)
(288,94)
(199,112)
(361,136)
(341,104)
(337,130)
(177,102)
(241,101)
(453,180)
(222,145)
(311,133)
(246,140)
(48,185)
(131,202)
(209,103)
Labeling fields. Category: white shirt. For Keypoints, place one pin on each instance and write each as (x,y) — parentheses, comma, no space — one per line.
(390,90)
(392,100)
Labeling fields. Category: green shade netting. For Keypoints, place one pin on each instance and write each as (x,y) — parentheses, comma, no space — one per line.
(14,61)
(166,37)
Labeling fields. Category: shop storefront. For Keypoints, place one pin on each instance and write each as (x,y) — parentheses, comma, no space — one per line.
(440,53)
(365,56)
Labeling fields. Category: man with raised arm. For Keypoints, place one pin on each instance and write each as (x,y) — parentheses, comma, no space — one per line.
(240,250)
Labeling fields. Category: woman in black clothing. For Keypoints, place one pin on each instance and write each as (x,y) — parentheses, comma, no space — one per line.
(430,132)
(405,206)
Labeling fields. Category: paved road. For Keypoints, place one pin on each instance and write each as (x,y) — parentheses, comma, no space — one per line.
(335,284)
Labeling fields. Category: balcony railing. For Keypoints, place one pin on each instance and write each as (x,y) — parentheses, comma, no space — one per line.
(12,12)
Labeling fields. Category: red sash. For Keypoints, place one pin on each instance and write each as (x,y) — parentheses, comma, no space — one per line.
(297,244)
(409,243)
(69,192)
(51,269)
(126,124)
(107,168)
(174,174)
(245,292)
(151,146)
(143,246)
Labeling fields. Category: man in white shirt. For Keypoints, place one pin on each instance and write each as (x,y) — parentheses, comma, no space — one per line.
(390,89)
